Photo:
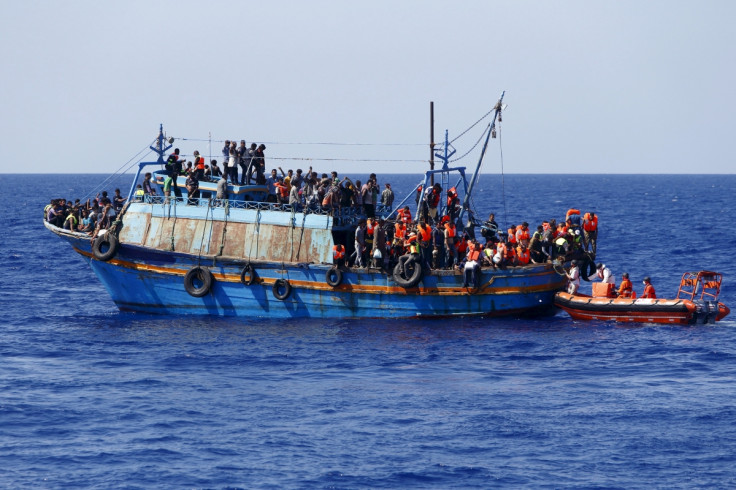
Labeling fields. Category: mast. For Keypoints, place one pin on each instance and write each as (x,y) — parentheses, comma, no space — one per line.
(491,131)
(431,138)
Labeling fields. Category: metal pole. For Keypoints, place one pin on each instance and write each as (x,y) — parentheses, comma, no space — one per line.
(431,138)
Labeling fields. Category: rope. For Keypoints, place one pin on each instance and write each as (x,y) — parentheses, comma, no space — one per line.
(473,147)
(173,226)
(120,170)
(323,143)
(224,227)
(201,242)
(473,125)
(301,235)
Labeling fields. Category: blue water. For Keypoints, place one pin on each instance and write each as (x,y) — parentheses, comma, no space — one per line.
(92,397)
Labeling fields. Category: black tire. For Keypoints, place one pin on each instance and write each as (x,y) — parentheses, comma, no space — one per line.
(333,276)
(201,275)
(281,283)
(248,274)
(105,247)
(412,280)
(588,268)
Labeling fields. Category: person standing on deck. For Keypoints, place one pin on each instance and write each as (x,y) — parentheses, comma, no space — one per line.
(590,232)
(387,196)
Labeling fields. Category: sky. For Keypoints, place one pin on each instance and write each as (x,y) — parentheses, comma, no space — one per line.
(591,86)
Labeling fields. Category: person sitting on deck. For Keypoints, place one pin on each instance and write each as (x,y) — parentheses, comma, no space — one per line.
(648,289)
(626,289)
(214,169)
(411,255)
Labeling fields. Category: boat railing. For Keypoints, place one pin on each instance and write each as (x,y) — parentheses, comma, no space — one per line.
(703,285)
(342,216)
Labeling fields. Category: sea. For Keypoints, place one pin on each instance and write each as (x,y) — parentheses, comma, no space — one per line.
(91,397)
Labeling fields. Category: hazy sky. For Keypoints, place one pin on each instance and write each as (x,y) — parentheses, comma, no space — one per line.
(592,86)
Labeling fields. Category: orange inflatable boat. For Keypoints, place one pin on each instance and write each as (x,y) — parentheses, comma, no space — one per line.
(696,302)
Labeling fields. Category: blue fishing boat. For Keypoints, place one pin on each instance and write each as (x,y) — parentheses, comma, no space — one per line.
(239,255)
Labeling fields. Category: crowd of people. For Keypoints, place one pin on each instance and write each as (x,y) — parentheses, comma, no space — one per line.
(431,238)
(88,217)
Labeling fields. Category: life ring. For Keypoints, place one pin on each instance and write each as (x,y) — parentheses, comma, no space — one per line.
(112,247)
(411,281)
(248,274)
(333,276)
(203,276)
(277,285)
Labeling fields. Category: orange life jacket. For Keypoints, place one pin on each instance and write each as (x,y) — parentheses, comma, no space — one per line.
(571,211)
(522,234)
(462,246)
(425,232)
(451,196)
(404,215)
(524,256)
(369,227)
(473,254)
(451,230)
(512,235)
(626,289)
(590,224)
(400,231)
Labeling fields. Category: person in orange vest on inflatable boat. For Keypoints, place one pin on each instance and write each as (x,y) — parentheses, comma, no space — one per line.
(626,289)
(648,289)
(590,232)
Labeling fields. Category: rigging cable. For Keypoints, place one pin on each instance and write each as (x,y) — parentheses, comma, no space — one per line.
(120,170)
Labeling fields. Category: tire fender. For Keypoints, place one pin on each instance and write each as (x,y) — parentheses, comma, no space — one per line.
(248,274)
(199,274)
(333,276)
(277,285)
(408,282)
(112,247)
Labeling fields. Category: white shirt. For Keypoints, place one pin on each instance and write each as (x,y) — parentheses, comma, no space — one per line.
(605,276)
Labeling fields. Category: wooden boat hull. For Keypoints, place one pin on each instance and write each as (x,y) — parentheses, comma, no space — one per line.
(641,310)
